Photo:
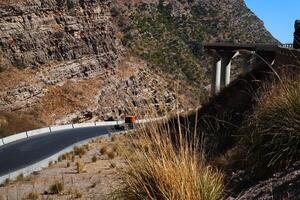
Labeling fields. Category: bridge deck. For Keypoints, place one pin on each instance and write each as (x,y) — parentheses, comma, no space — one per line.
(235,47)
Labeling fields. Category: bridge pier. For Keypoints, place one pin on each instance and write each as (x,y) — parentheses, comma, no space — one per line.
(221,70)
(216,77)
(261,54)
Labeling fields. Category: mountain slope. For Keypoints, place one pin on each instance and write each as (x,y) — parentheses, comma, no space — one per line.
(67,61)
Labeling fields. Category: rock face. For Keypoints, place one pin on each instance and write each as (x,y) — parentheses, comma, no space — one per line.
(282,186)
(65,61)
(35,34)
(75,40)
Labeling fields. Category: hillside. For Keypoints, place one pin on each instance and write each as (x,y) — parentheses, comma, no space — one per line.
(65,61)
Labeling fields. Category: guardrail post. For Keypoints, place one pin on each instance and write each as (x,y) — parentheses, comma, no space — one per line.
(50,129)
(2,140)
(72,125)
(26,134)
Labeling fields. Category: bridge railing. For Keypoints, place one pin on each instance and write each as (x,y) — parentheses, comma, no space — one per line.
(287,46)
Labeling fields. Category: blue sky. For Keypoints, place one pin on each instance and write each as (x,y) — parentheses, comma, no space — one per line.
(278,15)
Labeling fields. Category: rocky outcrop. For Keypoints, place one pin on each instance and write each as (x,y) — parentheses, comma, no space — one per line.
(32,35)
(59,40)
(63,60)
(136,89)
(284,185)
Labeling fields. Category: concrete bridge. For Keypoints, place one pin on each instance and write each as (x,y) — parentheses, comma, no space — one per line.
(232,102)
(261,54)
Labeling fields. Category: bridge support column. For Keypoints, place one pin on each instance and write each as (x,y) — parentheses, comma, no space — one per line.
(226,67)
(221,70)
(216,77)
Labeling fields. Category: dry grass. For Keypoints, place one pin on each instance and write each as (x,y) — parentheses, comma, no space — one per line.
(77,194)
(80,167)
(79,151)
(94,158)
(50,163)
(111,154)
(20,177)
(103,149)
(273,141)
(57,188)
(33,195)
(161,170)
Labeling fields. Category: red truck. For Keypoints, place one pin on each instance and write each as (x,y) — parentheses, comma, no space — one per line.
(130,122)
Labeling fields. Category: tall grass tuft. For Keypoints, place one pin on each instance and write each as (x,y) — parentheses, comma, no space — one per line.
(274,138)
(168,168)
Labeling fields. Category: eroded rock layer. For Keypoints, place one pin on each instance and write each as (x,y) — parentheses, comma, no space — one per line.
(65,61)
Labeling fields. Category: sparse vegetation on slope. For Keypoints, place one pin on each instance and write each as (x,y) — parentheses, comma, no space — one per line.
(164,42)
(169,34)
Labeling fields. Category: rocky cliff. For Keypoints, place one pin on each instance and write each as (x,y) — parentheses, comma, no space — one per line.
(67,61)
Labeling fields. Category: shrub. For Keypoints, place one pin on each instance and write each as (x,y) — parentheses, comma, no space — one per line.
(20,177)
(80,166)
(50,163)
(111,154)
(63,157)
(3,132)
(274,138)
(57,188)
(7,181)
(94,158)
(114,138)
(77,194)
(168,171)
(79,151)
(33,195)
(115,148)
(113,165)
(103,149)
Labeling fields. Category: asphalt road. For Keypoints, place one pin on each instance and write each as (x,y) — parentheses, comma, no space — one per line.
(22,153)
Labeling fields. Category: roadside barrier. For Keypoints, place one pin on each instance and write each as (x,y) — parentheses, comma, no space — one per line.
(49,130)
(44,163)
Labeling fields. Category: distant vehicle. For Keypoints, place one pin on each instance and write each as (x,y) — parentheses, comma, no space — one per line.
(130,122)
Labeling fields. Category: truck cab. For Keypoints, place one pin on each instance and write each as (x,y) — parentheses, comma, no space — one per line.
(130,121)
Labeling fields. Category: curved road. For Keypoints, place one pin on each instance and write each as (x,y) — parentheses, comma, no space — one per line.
(25,152)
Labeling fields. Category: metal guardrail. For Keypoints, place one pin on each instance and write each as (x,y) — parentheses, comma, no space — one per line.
(287,46)
(48,130)
(45,162)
